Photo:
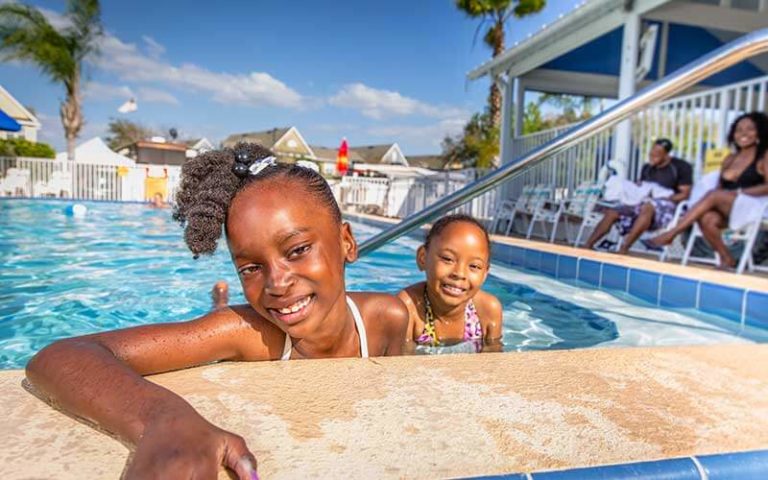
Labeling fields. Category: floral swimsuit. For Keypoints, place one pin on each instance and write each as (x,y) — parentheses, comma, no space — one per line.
(473,330)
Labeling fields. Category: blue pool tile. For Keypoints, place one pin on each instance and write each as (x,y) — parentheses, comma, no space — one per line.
(757,310)
(549,263)
(532,259)
(517,256)
(614,277)
(566,268)
(678,292)
(673,469)
(502,253)
(506,476)
(721,300)
(589,272)
(644,285)
(744,465)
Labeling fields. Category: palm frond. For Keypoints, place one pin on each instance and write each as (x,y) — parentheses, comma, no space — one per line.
(25,34)
(85,28)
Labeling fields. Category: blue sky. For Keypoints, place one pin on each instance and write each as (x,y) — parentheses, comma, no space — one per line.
(374,72)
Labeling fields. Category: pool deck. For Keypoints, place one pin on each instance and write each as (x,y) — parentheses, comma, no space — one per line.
(437,416)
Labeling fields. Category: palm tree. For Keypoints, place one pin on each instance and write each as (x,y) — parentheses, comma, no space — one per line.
(25,34)
(496,13)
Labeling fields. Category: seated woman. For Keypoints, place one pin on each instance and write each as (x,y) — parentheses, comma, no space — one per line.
(743,172)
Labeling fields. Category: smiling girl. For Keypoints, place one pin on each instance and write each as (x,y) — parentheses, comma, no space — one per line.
(449,307)
(289,245)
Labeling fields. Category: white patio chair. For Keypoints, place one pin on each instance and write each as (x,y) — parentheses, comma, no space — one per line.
(15,183)
(58,185)
(674,250)
(509,210)
(747,234)
(579,207)
(537,206)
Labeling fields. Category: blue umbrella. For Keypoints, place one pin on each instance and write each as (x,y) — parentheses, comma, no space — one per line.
(8,124)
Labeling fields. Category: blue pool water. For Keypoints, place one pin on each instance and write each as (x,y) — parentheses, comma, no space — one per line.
(125,264)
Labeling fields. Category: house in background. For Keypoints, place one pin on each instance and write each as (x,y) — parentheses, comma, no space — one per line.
(326,158)
(386,154)
(286,143)
(197,146)
(433,162)
(156,152)
(28,121)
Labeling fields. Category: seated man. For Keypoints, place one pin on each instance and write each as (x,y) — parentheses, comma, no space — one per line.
(651,213)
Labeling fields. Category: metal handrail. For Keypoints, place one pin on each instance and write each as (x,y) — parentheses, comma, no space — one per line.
(729,54)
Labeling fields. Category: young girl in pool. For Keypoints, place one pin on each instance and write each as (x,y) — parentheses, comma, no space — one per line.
(289,246)
(449,307)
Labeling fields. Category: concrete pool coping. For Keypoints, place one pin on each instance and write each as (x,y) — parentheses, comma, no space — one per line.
(438,416)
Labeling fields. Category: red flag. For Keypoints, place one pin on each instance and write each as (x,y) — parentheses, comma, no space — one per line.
(342,158)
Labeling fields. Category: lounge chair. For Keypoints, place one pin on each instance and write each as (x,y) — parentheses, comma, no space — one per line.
(15,183)
(58,185)
(747,234)
(578,207)
(509,210)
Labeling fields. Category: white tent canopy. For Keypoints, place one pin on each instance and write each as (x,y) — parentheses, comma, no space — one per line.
(96,151)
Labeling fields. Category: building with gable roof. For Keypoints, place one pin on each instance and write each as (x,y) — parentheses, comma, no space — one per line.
(30,125)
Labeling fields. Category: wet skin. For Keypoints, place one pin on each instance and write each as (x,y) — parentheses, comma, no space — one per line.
(287,248)
(456,264)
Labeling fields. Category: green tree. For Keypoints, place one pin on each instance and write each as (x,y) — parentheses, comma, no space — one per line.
(26,35)
(477,146)
(19,147)
(125,132)
(494,14)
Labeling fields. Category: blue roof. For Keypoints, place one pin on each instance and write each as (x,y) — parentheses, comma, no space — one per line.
(603,55)
(8,124)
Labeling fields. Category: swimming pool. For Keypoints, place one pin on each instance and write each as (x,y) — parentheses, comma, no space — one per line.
(125,264)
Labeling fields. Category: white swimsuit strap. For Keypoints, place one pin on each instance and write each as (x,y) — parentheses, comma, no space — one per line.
(359,325)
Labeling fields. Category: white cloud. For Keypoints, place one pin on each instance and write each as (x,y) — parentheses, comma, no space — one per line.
(130,64)
(103,91)
(153,95)
(154,48)
(254,89)
(424,136)
(376,103)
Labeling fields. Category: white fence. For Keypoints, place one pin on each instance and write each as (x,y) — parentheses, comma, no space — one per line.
(401,197)
(40,177)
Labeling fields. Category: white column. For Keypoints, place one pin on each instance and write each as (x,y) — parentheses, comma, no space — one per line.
(508,118)
(663,49)
(519,106)
(629,54)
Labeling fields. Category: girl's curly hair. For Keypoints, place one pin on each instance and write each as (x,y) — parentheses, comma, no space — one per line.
(208,185)
(761,123)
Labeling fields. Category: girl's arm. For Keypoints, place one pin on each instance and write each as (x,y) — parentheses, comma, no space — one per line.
(409,347)
(99,377)
(491,317)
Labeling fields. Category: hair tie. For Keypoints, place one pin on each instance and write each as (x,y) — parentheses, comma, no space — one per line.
(245,166)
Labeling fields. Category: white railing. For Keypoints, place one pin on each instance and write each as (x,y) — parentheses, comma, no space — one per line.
(41,177)
(525,143)
(694,123)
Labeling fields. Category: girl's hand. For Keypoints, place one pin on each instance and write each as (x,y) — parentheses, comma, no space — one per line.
(188,446)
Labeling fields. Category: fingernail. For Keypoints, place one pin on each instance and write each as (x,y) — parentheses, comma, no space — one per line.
(254,476)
